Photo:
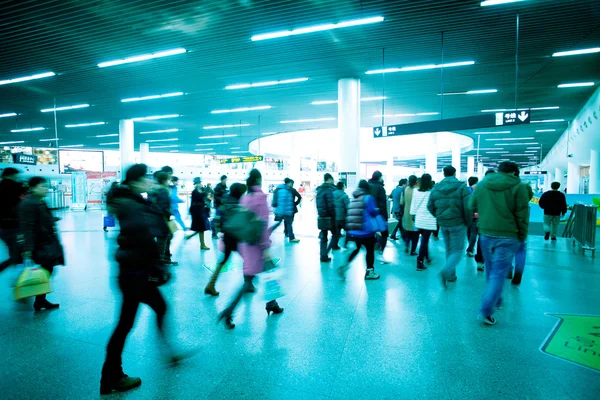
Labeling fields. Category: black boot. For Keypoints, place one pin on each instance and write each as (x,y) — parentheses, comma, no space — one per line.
(41,303)
(273,307)
(122,384)
(420,265)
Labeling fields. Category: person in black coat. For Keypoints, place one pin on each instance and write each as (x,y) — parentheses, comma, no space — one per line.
(38,235)
(11,193)
(199,212)
(378,192)
(326,211)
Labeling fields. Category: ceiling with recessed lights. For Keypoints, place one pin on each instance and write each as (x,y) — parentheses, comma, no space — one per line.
(222,70)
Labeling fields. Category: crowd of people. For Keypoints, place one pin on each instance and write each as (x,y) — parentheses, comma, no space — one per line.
(488,220)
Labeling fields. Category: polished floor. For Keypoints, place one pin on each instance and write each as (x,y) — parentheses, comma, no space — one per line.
(401,337)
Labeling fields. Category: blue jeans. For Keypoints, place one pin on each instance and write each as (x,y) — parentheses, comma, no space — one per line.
(178,219)
(498,254)
(520,258)
(454,240)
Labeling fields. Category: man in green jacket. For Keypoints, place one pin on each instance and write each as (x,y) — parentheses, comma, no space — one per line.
(502,202)
(449,204)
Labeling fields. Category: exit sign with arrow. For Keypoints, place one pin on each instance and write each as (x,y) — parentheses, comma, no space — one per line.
(513,117)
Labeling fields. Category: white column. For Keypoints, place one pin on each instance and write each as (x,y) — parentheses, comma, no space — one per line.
(349,124)
(480,170)
(594,172)
(573,172)
(559,176)
(126,145)
(548,179)
(144,150)
(456,160)
(431,156)
(470,166)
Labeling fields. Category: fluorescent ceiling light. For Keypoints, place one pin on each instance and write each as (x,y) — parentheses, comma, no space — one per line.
(86,124)
(65,108)
(294,121)
(162,140)
(212,144)
(240,151)
(497,2)
(241,109)
(153,117)
(524,138)
(168,146)
(156,96)
(496,152)
(541,108)
(225,126)
(161,131)
(577,84)
(268,133)
(50,140)
(268,83)
(8,115)
(316,28)
(522,109)
(174,151)
(27,78)
(406,115)
(375,98)
(142,57)
(322,102)
(545,130)
(203,149)
(108,144)
(531,151)
(515,144)
(533,147)
(27,130)
(73,145)
(419,67)
(235,148)
(547,120)
(107,135)
(13,142)
(217,136)
(576,52)
(491,133)
(480,91)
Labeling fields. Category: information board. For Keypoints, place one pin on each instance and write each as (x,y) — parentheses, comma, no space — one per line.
(237,160)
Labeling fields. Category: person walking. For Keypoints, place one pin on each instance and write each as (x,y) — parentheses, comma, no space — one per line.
(408,219)
(297,201)
(502,202)
(472,233)
(229,205)
(326,213)
(424,220)
(479,252)
(199,212)
(363,207)
(284,206)
(39,241)
(342,202)
(160,197)
(11,194)
(554,204)
(217,195)
(255,256)
(175,202)
(378,192)
(398,209)
(521,254)
(139,258)
(449,204)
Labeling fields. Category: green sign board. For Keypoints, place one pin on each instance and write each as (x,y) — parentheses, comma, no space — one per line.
(237,160)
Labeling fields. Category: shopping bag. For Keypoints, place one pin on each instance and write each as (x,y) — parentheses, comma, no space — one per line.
(109,221)
(172,225)
(272,279)
(33,281)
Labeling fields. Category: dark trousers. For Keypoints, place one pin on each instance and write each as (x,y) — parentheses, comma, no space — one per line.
(369,244)
(164,244)
(135,290)
(399,226)
(288,225)
(424,249)
(472,234)
(9,237)
(326,248)
(339,225)
(479,254)
(50,269)
(412,240)
(382,239)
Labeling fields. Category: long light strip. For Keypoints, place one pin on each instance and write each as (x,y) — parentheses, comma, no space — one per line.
(516,144)
(522,109)
(107,135)
(419,67)
(496,140)
(8,115)
(162,140)
(490,133)
(225,126)
(50,140)
(235,148)
(160,131)
(268,83)
(242,109)
(73,145)
(294,121)
(545,130)
(204,149)
(156,96)
(316,28)
(168,146)
(153,117)
(13,142)
(406,115)
(86,124)
(576,52)
(497,2)
(322,102)
(268,133)
(27,130)
(547,121)
(65,108)
(577,84)
(480,91)
(108,144)
(240,152)
(142,57)
(212,144)
(217,136)
(27,78)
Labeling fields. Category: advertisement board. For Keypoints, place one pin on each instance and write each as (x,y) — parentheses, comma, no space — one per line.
(73,161)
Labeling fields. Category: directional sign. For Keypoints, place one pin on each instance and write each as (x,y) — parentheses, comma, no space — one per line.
(514,117)
(377,131)
(237,160)
(536,172)
(575,338)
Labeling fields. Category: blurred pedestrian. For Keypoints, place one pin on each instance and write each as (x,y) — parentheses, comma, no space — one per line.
(11,193)
(408,219)
(554,204)
(378,192)
(326,216)
(175,202)
(398,209)
(342,203)
(199,212)
(424,221)
(160,197)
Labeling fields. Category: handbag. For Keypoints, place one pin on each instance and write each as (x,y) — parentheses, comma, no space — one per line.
(109,221)
(244,225)
(33,281)
(325,223)
(272,278)
(172,225)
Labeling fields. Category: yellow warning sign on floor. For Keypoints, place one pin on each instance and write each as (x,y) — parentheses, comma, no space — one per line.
(575,338)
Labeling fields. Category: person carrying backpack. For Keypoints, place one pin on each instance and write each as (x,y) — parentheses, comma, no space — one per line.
(284,208)
(326,212)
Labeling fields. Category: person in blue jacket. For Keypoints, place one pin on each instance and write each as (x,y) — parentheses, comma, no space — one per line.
(175,201)
(284,208)
(362,209)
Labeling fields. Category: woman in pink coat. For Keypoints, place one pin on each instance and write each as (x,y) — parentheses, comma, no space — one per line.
(254,255)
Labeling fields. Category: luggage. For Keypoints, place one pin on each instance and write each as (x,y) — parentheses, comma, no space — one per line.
(109,221)
(33,281)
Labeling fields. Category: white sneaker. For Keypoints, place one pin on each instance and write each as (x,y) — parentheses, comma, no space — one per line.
(371,275)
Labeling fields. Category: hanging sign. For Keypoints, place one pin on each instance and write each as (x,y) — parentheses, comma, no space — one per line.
(514,117)
(536,172)
(237,160)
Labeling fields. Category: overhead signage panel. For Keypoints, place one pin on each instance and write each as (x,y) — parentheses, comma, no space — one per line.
(28,159)
(237,160)
(536,172)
